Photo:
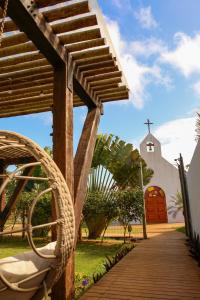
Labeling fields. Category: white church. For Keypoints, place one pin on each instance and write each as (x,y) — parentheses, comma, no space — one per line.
(164,184)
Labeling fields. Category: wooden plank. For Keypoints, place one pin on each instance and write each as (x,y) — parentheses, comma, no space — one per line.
(34,78)
(95,66)
(27,100)
(90,60)
(95,52)
(85,45)
(20,59)
(67,10)
(23,112)
(10,26)
(24,74)
(100,77)
(26,95)
(14,39)
(83,160)
(33,24)
(30,106)
(17,49)
(45,3)
(99,71)
(30,65)
(80,35)
(22,85)
(115,98)
(104,82)
(4,215)
(74,23)
(63,156)
(111,90)
(112,96)
(28,89)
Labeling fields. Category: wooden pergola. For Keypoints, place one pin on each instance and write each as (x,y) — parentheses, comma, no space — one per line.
(56,55)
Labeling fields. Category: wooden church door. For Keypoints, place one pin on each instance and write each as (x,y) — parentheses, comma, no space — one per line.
(155,202)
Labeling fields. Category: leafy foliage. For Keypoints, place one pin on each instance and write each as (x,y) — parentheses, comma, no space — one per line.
(130,207)
(121,160)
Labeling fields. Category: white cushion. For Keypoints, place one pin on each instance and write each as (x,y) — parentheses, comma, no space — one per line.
(21,266)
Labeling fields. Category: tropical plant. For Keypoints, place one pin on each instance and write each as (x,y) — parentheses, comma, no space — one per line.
(100,205)
(130,207)
(121,160)
(176,205)
(115,167)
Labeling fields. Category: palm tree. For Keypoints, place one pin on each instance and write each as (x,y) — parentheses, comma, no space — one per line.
(176,205)
(197,126)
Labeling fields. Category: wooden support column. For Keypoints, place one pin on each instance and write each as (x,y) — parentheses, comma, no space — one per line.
(63,157)
(4,215)
(2,196)
(83,161)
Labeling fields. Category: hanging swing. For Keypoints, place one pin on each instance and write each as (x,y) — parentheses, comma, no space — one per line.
(31,275)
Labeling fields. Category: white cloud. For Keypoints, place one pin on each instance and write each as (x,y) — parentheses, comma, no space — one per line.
(138,75)
(196,88)
(177,136)
(125,4)
(185,56)
(148,47)
(145,17)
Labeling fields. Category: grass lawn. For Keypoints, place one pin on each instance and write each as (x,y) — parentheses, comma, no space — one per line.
(90,255)
(181,229)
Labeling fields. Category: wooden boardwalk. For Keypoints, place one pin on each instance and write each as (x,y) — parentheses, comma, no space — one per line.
(158,268)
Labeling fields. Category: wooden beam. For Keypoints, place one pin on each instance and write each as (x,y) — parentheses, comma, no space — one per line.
(29,20)
(4,215)
(81,93)
(63,156)
(83,161)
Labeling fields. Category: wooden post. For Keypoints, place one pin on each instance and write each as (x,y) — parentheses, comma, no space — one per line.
(2,196)
(63,156)
(144,223)
(83,161)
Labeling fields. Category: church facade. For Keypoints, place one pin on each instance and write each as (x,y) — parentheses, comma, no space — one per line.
(163,186)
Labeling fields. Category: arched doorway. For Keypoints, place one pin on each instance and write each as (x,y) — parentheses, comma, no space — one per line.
(156,208)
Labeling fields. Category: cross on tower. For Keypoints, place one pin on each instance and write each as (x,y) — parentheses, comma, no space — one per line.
(148,123)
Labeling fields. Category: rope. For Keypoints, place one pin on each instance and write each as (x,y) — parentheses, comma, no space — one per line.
(45,290)
(3,20)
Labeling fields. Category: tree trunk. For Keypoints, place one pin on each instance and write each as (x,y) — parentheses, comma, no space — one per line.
(96,225)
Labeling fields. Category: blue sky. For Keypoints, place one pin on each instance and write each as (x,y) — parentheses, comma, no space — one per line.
(158,43)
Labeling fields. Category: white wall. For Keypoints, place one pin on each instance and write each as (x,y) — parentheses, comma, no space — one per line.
(193,180)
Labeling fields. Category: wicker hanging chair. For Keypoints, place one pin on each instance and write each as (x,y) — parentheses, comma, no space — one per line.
(31,275)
